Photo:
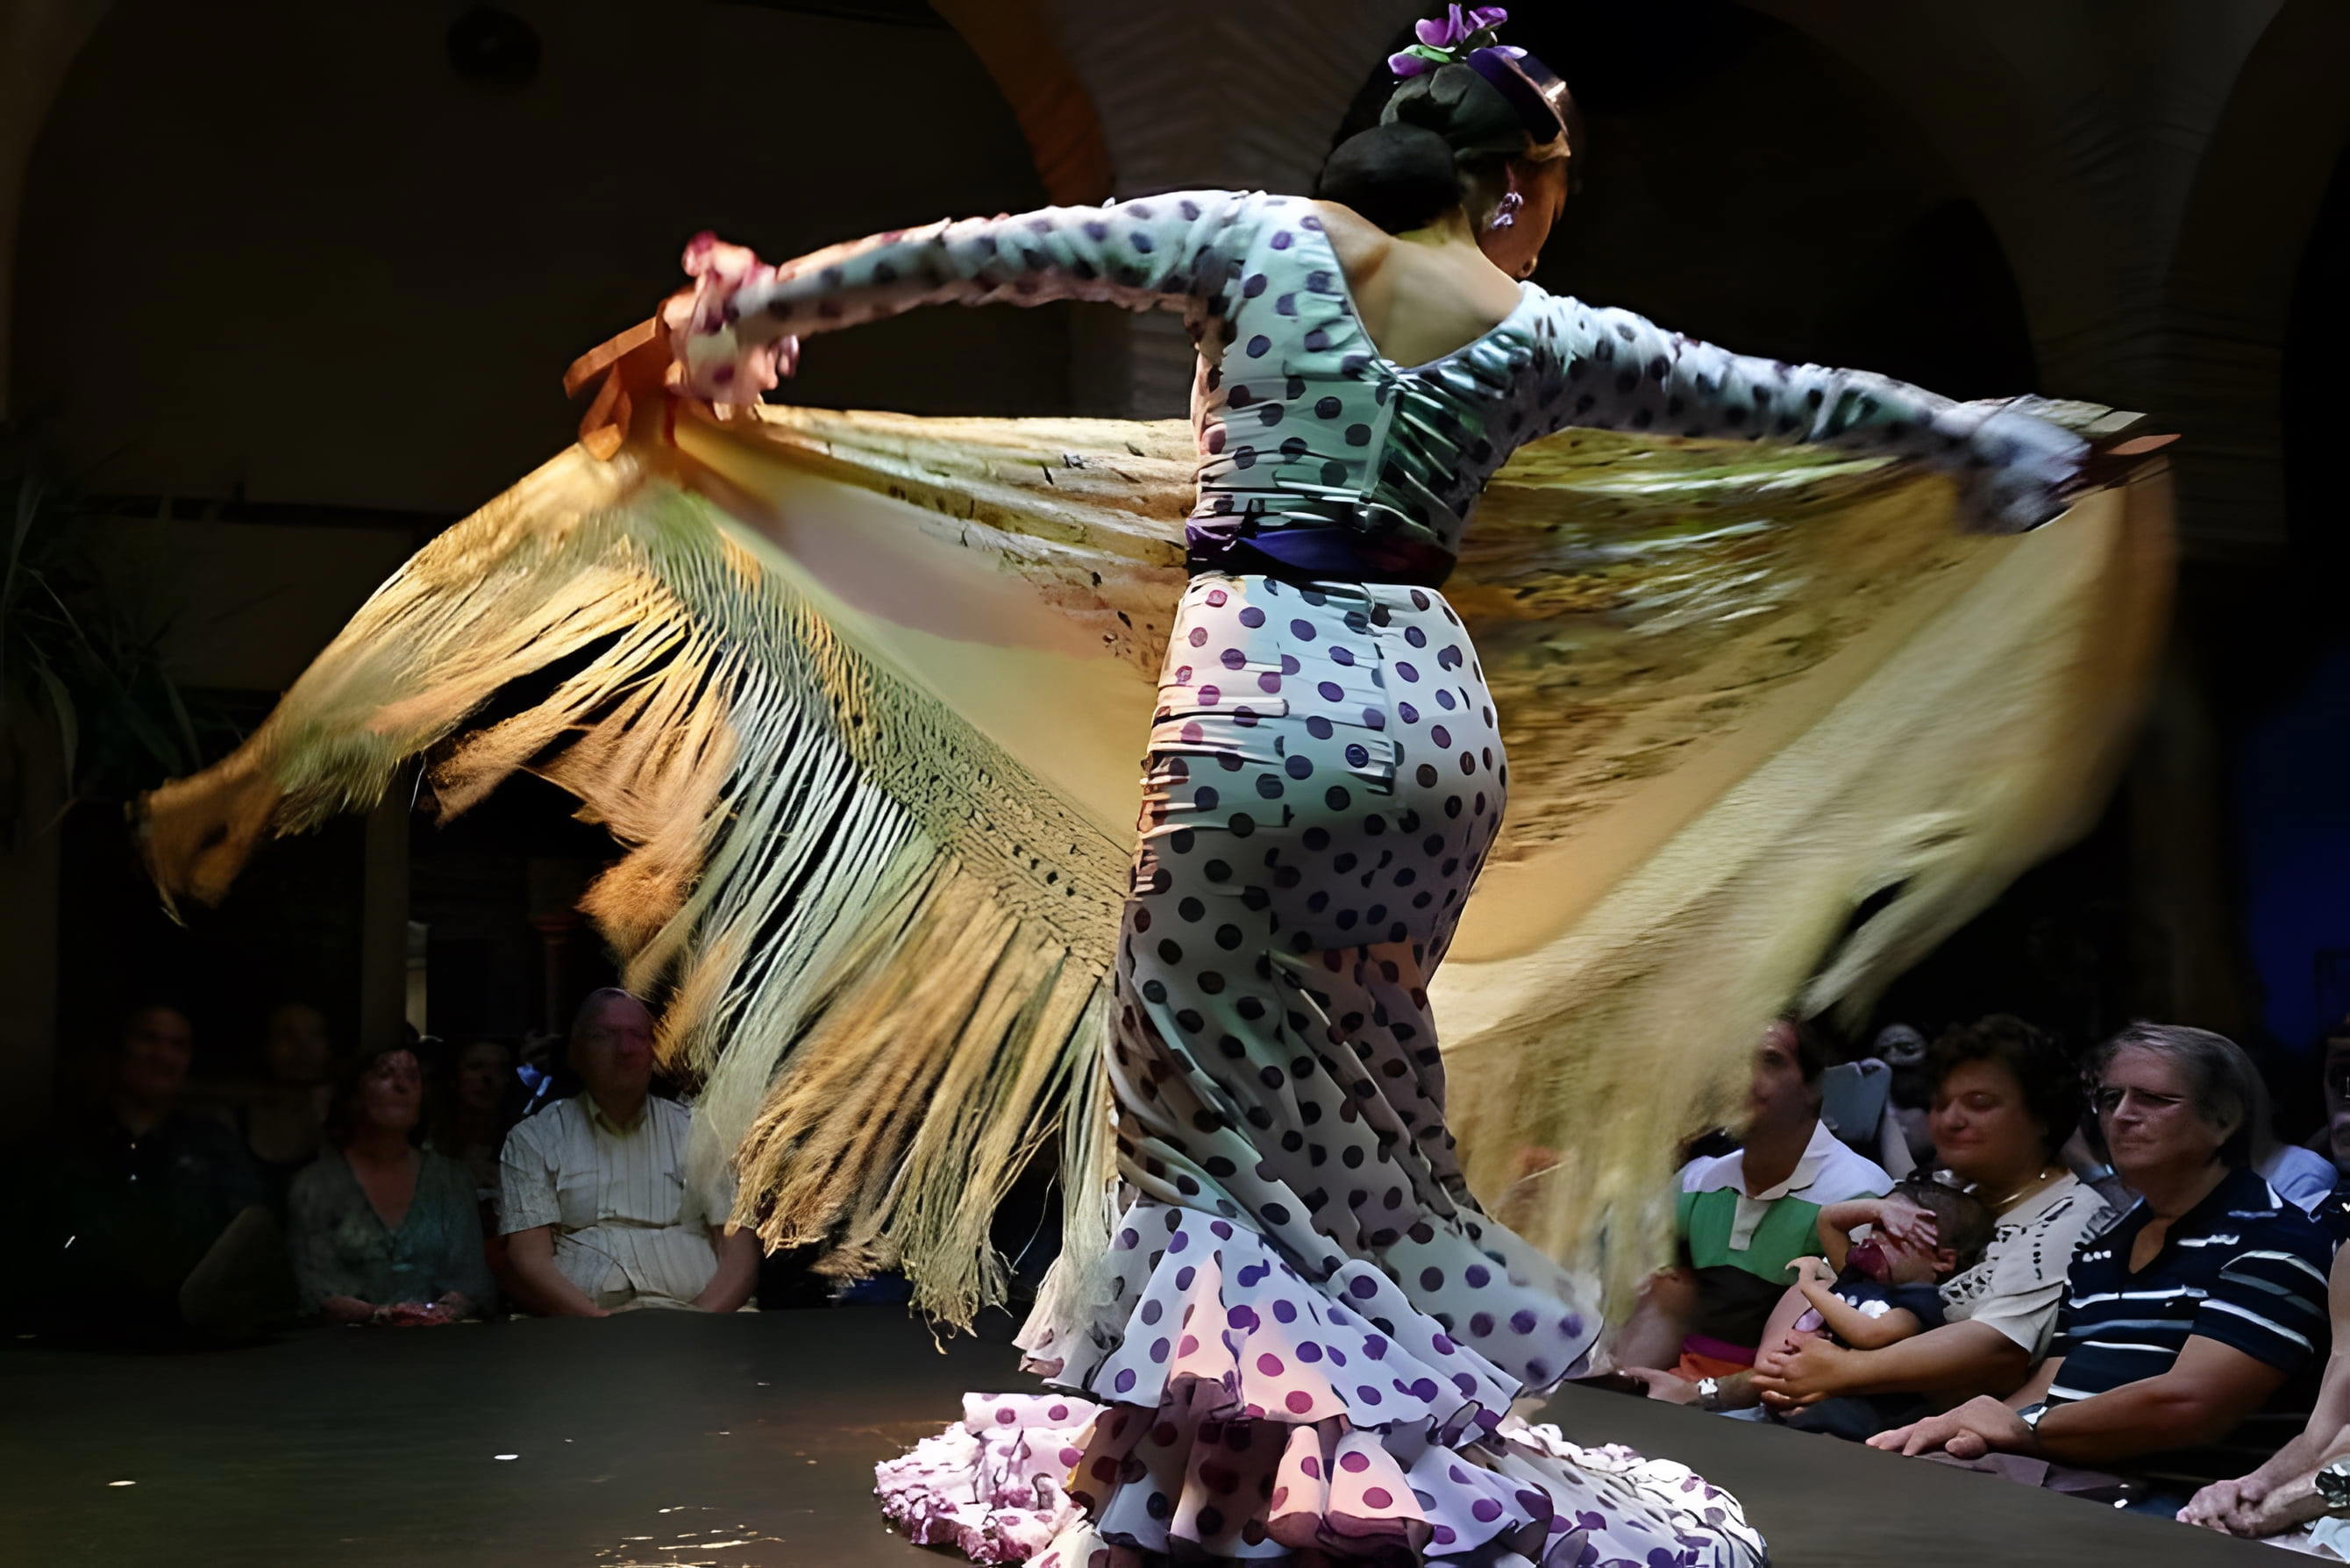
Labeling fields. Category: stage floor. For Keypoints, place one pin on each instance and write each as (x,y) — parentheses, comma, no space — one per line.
(697,1442)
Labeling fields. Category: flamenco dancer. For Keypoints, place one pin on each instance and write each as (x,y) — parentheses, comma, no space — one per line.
(1308,1338)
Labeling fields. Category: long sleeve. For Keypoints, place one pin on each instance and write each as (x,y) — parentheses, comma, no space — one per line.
(461,1266)
(312,1220)
(1611,370)
(1178,250)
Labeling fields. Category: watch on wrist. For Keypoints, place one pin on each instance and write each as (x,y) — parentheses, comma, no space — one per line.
(2030,1417)
(2332,1484)
(1709,1394)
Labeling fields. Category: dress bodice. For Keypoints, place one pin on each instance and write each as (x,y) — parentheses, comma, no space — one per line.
(1317,454)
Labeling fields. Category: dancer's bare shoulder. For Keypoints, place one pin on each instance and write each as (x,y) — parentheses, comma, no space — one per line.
(1361,245)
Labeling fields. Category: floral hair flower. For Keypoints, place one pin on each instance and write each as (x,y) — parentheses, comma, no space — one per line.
(1448,39)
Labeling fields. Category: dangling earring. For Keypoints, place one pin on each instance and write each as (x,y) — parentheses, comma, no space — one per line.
(1505,211)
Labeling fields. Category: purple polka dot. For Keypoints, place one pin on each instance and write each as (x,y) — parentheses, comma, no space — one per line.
(1362,1287)
(1378,1496)
(1485,1510)
(1354,1462)
(1299,1402)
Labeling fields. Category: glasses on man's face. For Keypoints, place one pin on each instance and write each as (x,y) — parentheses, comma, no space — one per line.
(2109,1100)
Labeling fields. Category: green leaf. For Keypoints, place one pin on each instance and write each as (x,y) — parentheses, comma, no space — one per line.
(61,709)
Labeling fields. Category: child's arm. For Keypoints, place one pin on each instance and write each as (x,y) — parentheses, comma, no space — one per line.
(1893,1214)
(1854,1327)
(1780,1328)
(1836,1223)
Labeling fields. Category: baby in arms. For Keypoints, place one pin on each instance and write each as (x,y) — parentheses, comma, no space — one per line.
(1885,1288)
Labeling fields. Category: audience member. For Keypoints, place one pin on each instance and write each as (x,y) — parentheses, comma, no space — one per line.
(2006,1098)
(382,1231)
(593,1194)
(474,1110)
(1744,1217)
(2301,1177)
(141,1218)
(2333,1212)
(2308,1480)
(284,1121)
(2183,1317)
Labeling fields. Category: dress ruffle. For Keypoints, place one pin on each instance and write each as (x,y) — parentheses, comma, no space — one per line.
(1237,1412)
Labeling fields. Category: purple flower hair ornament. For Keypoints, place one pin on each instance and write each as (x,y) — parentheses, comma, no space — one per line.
(1448,39)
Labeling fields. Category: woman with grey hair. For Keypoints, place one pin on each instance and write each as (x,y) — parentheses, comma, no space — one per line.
(2185,1316)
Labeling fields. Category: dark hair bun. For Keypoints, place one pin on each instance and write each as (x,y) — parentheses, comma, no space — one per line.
(1472,115)
(1398,176)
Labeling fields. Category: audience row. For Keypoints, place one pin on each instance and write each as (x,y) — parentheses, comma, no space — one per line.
(2007,1316)
(336,1195)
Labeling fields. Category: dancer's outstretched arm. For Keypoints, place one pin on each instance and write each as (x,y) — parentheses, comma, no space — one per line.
(1610,370)
(1180,250)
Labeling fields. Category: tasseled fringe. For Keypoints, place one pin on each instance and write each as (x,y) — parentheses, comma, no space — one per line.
(891,1022)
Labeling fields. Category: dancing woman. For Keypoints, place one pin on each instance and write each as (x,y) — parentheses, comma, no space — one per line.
(1307,1336)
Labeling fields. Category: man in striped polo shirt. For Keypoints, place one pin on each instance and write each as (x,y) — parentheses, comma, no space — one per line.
(2188,1312)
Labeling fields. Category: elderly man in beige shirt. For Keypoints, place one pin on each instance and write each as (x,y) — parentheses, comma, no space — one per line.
(592,1191)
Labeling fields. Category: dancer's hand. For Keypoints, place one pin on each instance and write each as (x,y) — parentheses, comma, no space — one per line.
(720,356)
(2111,461)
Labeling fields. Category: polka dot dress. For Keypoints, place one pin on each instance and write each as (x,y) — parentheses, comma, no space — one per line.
(1312,1336)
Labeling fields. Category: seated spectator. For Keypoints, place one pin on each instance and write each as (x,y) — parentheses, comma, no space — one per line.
(475,1109)
(593,1197)
(382,1231)
(2181,1319)
(142,1219)
(2301,1177)
(1744,1217)
(2288,1498)
(2006,1099)
(1863,1295)
(283,1121)
(2334,1211)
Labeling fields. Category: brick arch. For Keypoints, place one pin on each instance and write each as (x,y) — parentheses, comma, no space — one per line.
(2243,230)
(1014,39)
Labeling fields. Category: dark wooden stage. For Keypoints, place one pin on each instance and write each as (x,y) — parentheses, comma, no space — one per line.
(696,1442)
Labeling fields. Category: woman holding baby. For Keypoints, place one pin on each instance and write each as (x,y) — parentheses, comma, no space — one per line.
(2006,1099)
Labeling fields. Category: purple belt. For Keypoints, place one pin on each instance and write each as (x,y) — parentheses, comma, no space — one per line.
(1308,553)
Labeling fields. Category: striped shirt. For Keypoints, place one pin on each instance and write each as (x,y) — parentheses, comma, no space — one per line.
(626,1230)
(2243,1267)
